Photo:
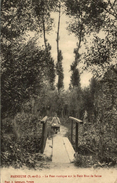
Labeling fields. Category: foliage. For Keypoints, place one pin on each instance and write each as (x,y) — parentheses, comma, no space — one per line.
(24,64)
(100,55)
(75,77)
(21,143)
(87,16)
(92,15)
(17,155)
(23,68)
(42,10)
(88,99)
(100,137)
(17,17)
(99,17)
(59,69)
(75,102)
(84,160)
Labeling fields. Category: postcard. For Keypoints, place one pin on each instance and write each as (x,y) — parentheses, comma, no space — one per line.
(59,91)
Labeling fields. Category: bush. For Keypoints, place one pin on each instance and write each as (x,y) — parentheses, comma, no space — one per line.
(83,161)
(21,140)
(20,153)
(31,144)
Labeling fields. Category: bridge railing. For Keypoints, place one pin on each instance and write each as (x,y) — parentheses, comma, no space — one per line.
(76,121)
(44,133)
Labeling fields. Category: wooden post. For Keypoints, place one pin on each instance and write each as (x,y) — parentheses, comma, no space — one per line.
(44,133)
(43,129)
(72,131)
(76,143)
(76,131)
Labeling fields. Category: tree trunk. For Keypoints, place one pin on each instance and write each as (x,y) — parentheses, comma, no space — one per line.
(58,33)
(43,22)
(58,40)
(44,34)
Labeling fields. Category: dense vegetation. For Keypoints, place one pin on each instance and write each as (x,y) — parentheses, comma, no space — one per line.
(28,75)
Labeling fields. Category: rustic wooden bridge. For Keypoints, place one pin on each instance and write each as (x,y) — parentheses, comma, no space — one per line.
(59,148)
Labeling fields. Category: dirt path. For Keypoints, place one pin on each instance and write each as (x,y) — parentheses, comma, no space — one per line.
(63,130)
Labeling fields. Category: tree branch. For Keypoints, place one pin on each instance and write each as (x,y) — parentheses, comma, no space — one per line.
(112,8)
(80,38)
(109,12)
(114,2)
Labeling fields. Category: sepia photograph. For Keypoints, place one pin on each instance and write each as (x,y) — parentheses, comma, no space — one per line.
(58,91)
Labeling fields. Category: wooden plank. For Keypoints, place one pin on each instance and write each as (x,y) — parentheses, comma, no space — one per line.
(76,120)
(69,149)
(59,151)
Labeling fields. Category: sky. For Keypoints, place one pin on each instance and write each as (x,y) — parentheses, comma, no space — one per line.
(67,44)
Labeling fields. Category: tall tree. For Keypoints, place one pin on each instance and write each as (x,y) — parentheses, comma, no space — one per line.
(24,66)
(42,10)
(75,77)
(95,17)
(60,71)
(59,53)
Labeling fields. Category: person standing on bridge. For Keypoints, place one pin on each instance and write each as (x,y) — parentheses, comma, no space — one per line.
(55,123)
